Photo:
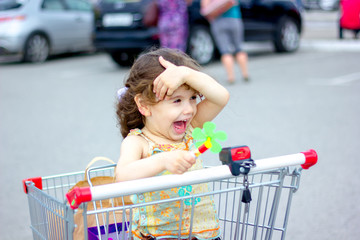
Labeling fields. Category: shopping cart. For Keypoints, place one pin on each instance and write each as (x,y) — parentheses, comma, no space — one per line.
(255,204)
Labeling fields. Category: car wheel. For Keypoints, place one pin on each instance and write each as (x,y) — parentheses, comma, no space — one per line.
(201,45)
(123,58)
(287,36)
(36,49)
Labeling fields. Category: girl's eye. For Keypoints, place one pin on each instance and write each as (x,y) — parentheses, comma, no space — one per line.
(177,101)
(193,97)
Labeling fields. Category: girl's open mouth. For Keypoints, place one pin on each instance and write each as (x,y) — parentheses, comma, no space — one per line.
(180,126)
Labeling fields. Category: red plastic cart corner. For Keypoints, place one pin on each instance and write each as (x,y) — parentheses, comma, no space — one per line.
(311,158)
(78,195)
(36,180)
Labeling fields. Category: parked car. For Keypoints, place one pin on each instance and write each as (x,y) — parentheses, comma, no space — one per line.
(326,5)
(329,5)
(120,32)
(349,17)
(35,29)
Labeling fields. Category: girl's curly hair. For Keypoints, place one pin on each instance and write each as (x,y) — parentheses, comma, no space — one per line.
(140,80)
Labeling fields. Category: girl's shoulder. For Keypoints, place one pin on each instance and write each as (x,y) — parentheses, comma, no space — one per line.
(137,132)
(134,138)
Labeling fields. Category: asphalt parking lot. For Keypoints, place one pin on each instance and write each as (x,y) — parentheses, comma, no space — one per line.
(55,117)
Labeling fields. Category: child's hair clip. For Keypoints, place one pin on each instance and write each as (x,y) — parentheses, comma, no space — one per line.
(121,92)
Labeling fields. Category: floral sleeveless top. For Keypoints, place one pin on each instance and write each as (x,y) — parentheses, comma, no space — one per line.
(163,220)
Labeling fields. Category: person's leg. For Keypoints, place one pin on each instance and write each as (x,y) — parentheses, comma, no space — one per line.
(241,56)
(242,60)
(356,32)
(222,36)
(228,63)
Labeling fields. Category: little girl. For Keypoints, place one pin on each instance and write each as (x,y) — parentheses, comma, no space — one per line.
(164,98)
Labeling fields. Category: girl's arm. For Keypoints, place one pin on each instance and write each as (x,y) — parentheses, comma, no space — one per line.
(216,96)
(133,165)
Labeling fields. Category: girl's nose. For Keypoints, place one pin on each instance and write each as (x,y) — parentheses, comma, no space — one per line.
(189,108)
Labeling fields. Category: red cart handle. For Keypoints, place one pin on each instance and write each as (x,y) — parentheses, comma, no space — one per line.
(311,158)
(78,195)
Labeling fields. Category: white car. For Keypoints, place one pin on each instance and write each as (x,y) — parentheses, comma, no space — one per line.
(326,5)
(329,5)
(36,29)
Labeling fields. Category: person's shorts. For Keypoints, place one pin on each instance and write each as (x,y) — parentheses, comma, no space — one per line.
(228,34)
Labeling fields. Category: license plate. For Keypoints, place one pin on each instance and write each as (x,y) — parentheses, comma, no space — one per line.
(118,19)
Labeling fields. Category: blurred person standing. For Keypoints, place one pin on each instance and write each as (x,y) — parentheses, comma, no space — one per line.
(173,23)
(228,32)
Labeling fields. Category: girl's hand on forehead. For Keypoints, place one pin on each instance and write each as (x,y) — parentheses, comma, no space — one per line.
(169,80)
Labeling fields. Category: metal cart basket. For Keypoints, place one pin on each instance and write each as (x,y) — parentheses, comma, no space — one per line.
(271,182)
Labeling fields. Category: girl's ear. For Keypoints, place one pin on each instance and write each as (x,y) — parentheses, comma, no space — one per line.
(142,106)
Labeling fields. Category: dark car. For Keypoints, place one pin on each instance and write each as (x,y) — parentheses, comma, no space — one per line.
(120,32)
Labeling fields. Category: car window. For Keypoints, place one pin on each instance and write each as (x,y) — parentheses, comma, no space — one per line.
(10,4)
(79,5)
(53,5)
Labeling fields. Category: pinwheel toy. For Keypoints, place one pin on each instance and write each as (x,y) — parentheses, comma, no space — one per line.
(206,138)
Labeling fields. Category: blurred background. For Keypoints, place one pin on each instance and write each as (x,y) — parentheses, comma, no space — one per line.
(62,61)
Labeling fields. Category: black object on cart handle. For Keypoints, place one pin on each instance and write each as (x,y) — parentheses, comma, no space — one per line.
(238,159)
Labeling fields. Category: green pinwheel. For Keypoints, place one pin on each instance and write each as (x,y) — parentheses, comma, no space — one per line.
(206,138)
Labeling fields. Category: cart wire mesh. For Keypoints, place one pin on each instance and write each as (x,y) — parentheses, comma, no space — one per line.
(50,215)
(265,217)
